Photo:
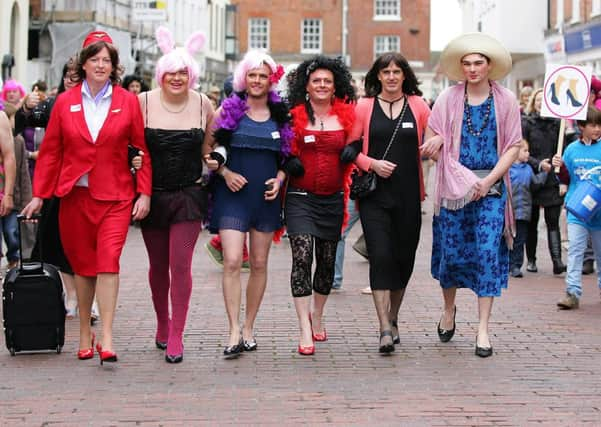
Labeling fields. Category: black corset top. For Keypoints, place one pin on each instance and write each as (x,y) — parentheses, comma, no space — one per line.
(176,157)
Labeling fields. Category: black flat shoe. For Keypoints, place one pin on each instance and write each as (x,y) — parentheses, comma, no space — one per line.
(250,345)
(160,345)
(233,351)
(174,359)
(482,351)
(395,338)
(445,335)
(386,348)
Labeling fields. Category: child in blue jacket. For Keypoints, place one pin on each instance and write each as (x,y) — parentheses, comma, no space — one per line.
(523,182)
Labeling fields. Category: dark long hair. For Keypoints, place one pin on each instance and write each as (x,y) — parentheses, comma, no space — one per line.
(91,50)
(70,65)
(373,87)
(297,81)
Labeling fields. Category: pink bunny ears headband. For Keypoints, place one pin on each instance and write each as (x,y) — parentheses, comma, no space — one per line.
(175,59)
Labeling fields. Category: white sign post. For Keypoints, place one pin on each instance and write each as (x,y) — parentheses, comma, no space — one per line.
(565,95)
(149,10)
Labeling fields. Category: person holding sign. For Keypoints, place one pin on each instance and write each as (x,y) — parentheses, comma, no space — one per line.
(581,157)
(542,134)
(474,133)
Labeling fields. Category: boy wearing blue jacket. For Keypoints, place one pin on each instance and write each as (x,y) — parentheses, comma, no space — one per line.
(523,182)
(580,157)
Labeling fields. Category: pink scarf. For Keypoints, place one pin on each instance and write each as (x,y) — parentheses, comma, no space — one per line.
(454,182)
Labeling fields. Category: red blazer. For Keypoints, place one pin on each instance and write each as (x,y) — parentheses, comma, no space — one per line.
(68,152)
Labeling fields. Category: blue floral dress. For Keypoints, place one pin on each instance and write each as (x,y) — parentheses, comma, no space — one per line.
(468,249)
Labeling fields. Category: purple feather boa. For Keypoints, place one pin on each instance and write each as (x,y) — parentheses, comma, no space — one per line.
(233,110)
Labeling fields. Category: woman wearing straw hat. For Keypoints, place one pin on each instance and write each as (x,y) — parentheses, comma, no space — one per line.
(474,133)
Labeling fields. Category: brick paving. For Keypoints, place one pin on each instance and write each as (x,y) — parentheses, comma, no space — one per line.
(545,370)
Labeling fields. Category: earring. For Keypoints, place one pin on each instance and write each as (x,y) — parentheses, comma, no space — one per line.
(307,96)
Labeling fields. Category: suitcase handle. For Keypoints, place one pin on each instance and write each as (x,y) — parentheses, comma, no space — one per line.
(20,220)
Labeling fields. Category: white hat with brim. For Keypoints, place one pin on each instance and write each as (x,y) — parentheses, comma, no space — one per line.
(500,59)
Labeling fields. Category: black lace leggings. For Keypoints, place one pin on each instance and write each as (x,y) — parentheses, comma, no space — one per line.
(302,260)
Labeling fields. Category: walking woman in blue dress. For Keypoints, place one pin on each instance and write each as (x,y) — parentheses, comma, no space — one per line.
(253,125)
(474,133)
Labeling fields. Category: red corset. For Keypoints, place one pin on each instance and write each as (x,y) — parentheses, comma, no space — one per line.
(320,156)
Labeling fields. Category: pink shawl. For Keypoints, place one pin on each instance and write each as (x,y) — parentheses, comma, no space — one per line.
(454,182)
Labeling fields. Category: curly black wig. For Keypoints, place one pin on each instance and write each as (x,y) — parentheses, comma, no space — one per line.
(297,81)
(373,87)
(134,78)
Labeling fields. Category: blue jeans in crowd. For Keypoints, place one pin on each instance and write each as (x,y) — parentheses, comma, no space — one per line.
(353,217)
(10,231)
(578,236)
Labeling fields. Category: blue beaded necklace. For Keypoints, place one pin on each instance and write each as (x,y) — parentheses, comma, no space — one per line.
(468,113)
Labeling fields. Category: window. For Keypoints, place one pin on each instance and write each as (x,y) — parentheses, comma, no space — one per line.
(596,8)
(387,9)
(384,44)
(575,11)
(559,14)
(311,36)
(258,33)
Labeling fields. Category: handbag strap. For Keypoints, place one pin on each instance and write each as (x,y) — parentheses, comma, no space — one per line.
(396,128)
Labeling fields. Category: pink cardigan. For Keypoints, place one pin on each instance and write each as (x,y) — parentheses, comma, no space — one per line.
(363,113)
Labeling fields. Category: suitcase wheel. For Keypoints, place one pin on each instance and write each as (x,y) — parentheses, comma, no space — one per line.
(12,351)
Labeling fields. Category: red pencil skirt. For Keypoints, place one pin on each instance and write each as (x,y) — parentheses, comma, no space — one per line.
(93,232)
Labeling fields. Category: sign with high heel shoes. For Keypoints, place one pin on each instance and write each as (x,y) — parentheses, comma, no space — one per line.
(566,91)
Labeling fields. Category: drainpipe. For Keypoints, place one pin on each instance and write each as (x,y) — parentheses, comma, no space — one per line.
(345,32)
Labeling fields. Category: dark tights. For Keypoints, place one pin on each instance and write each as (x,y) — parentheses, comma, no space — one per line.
(302,260)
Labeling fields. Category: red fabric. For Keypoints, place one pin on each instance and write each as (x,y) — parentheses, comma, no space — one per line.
(93,232)
(97,36)
(323,170)
(68,152)
(324,174)
(364,110)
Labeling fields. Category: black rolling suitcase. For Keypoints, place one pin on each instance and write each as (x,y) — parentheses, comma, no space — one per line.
(33,308)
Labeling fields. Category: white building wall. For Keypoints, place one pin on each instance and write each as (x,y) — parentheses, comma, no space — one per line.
(518,24)
(17,33)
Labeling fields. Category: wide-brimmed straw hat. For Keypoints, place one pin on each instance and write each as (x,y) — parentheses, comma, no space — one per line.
(450,59)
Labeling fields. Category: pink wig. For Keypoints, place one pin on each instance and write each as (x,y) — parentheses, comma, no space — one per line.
(253,59)
(175,59)
(12,85)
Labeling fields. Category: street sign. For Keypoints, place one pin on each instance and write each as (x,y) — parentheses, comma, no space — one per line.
(149,10)
(566,91)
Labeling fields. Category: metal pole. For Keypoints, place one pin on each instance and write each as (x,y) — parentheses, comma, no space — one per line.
(344,31)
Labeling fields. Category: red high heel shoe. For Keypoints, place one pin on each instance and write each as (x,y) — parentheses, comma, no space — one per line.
(106,355)
(87,353)
(317,336)
(306,351)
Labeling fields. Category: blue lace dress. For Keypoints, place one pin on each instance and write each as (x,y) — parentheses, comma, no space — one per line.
(254,153)
(468,249)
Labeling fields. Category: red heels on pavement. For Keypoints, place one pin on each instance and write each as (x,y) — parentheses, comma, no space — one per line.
(306,351)
(318,336)
(106,355)
(87,353)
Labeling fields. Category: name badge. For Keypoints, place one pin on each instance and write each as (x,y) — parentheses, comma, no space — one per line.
(275,135)
(117,110)
(407,125)
(75,108)
(309,139)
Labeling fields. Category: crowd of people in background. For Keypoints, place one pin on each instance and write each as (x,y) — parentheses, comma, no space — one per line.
(253,163)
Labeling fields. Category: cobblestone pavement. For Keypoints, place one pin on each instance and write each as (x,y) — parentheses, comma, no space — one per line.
(545,370)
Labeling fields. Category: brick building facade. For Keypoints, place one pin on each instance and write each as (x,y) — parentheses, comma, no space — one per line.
(293,31)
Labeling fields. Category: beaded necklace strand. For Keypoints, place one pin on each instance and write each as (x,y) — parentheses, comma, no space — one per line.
(468,113)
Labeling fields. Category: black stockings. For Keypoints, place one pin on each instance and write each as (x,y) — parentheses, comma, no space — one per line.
(302,260)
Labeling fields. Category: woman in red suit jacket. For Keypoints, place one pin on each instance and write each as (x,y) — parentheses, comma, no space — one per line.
(84,161)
